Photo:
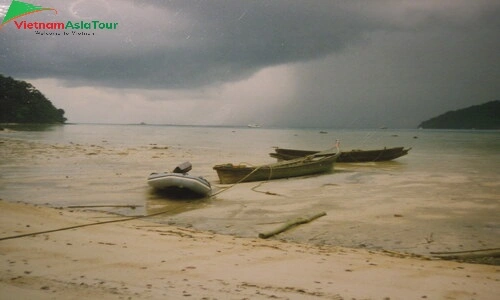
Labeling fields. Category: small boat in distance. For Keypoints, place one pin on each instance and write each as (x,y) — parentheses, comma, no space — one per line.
(352,156)
(179,179)
(320,162)
(253,125)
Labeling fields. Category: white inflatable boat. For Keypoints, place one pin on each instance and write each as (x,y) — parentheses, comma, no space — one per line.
(180,179)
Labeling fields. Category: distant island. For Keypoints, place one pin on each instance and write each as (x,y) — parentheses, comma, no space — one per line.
(20,102)
(483,116)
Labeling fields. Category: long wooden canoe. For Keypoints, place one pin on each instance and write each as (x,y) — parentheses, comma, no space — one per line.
(313,164)
(352,156)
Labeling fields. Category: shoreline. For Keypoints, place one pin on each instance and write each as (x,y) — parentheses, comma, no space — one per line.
(139,259)
(397,206)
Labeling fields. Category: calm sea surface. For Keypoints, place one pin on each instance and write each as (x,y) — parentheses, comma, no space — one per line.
(432,150)
(81,164)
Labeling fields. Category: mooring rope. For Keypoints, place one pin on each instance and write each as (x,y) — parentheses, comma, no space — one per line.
(86,225)
(239,181)
(143,216)
(119,220)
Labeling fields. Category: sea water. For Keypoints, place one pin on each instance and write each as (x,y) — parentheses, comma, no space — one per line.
(445,192)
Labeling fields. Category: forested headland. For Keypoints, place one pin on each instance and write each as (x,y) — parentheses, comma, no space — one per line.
(483,116)
(21,102)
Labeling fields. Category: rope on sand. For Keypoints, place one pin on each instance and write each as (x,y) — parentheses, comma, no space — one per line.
(85,225)
(114,221)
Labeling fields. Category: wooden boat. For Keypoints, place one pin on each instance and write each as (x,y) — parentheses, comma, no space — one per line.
(313,164)
(385,154)
(179,179)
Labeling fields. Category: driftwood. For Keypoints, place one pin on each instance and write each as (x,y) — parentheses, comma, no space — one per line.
(480,253)
(290,224)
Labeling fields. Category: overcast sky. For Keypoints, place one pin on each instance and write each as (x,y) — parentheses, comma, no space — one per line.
(286,63)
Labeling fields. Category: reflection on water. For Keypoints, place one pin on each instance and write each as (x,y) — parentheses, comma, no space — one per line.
(32,127)
(174,194)
(173,201)
(381,165)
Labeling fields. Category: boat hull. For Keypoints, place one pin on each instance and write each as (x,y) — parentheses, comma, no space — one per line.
(165,181)
(353,156)
(229,173)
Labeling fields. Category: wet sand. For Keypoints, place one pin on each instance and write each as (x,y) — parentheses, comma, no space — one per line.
(139,259)
(393,206)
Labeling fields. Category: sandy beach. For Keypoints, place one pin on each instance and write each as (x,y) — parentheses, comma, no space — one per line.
(382,224)
(138,259)
(400,206)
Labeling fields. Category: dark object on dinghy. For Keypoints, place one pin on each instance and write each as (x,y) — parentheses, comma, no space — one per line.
(183,168)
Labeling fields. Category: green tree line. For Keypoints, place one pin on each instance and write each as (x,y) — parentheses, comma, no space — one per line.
(21,102)
(483,116)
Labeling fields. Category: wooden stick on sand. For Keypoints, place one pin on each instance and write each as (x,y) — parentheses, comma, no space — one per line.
(468,254)
(290,224)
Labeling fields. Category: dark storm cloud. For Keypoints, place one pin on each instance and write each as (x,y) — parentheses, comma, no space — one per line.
(343,63)
(180,44)
(437,58)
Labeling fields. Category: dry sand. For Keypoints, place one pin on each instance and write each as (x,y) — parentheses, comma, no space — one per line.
(137,259)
